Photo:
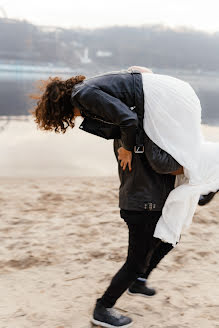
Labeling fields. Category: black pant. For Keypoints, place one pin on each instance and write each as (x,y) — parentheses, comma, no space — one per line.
(144,253)
(159,253)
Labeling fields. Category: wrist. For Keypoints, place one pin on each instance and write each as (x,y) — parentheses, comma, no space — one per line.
(177,172)
(126,150)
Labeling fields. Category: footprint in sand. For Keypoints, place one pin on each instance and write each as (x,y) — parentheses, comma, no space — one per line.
(97,254)
(28,261)
(203,254)
(49,196)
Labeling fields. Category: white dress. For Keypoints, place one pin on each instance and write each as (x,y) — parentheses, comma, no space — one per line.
(172,120)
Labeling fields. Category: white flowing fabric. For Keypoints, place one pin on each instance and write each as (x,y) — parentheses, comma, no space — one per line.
(172,120)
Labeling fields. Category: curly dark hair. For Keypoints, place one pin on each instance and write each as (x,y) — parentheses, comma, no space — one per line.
(54,110)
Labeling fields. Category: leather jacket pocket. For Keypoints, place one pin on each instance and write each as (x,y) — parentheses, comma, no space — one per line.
(100,128)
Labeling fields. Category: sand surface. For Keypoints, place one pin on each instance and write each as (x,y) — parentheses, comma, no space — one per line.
(62,239)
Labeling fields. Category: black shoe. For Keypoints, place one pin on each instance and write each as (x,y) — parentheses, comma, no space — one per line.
(140,288)
(109,317)
(205,199)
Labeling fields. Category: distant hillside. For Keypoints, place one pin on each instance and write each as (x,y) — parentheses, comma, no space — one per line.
(109,47)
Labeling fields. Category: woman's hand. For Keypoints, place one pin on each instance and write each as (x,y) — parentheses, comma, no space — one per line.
(126,158)
(179,171)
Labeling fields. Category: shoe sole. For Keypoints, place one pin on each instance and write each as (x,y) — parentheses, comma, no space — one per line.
(139,294)
(106,325)
(208,200)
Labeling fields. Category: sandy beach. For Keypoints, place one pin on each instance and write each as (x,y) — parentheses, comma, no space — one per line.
(62,240)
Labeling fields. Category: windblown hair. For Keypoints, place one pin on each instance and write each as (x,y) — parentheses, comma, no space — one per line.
(54,110)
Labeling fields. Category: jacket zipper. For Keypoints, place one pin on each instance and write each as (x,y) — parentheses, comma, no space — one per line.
(99,119)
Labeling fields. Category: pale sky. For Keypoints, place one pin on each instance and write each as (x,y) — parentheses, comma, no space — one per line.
(199,14)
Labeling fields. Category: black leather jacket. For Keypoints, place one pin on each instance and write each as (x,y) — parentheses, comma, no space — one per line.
(109,97)
(109,103)
(146,186)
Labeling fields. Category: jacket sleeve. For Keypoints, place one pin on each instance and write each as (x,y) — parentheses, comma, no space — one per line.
(112,110)
(160,160)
